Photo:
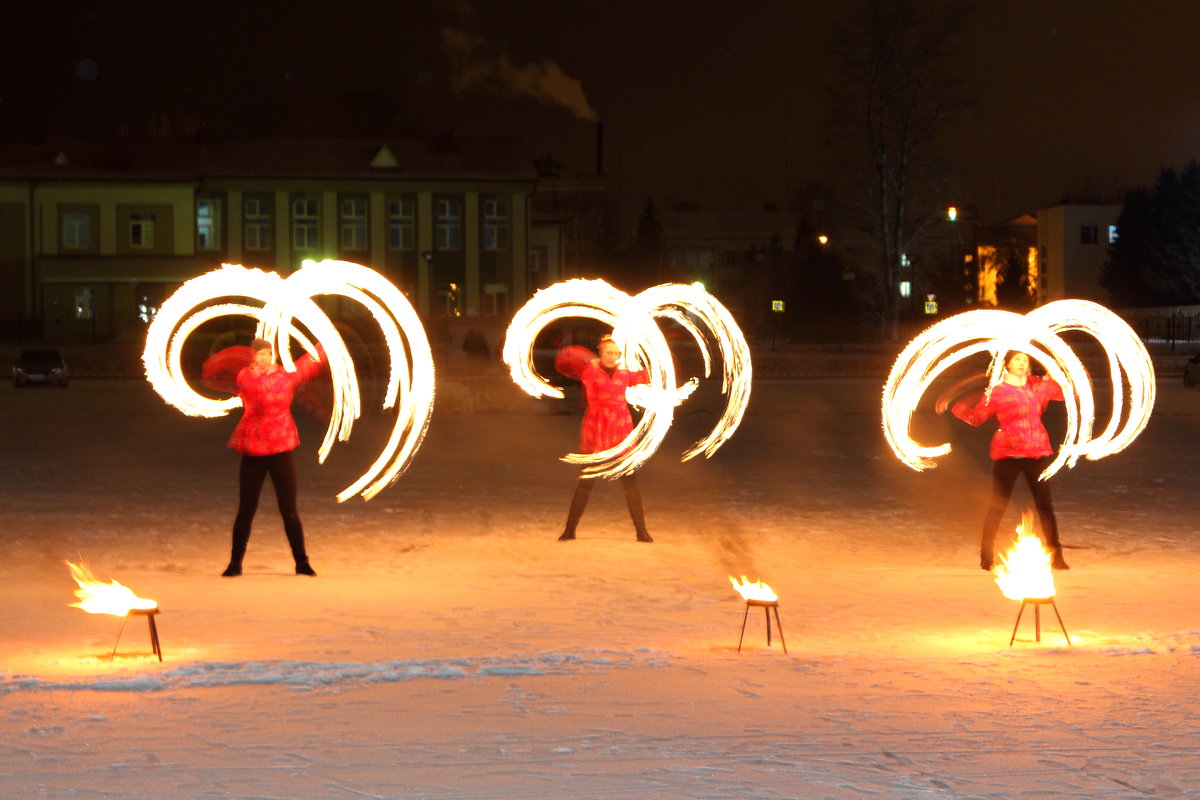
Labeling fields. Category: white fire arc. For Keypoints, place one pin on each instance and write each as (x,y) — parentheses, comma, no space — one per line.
(634,320)
(281,302)
(943,345)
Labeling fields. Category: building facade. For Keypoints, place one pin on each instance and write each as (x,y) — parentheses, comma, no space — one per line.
(1073,243)
(93,236)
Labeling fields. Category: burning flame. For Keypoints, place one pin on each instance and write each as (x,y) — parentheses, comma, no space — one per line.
(1024,571)
(1037,333)
(636,332)
(756,590)
(284,301)
(97,597)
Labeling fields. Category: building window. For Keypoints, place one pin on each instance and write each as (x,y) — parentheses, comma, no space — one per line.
(1112,234)
(76,231)
(305,224)
(258,223)
(85,303)
(495,224)
(539,262)
(402,224)
(495,299)
(448,230)
(141,231)
(1088,234)
(354,223)
(208,224)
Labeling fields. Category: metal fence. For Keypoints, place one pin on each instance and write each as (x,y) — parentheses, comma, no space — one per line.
(1173,327)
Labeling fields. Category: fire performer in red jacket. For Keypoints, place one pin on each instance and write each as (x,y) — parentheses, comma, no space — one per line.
(606,422)
(266,436)
(1020,446)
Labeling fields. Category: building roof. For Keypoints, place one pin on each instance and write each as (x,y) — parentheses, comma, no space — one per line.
(443,158)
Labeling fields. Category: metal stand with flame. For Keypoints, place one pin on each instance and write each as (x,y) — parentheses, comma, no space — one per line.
(1037,603)
(149,614)
(1024,574)
(759,595)
(97,597)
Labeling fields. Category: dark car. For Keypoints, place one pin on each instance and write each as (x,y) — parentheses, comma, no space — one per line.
(1191,371)
(40,367)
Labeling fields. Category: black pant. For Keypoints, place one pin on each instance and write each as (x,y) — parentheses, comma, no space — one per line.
(253,472)
(633,500)
(1004,477)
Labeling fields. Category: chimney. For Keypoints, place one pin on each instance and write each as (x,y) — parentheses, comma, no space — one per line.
(599,148)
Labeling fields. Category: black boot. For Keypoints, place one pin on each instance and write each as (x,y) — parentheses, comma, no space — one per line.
(1059,562)
(236,553)
(295,537)
(633,499)
(583,490)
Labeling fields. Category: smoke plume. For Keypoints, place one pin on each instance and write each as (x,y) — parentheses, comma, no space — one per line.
(475,65)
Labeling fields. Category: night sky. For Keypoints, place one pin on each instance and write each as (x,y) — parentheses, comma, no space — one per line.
(710,102)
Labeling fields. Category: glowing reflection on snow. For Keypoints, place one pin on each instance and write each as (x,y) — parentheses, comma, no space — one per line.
(634,320)
(1037,333)
(283,302)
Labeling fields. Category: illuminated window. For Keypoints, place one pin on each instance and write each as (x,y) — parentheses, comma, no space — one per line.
(141,231)
(906,288)
(495,224)
(904,262)
(354,223)
(208,224)
(258,223)
(402,224)
(448,230)
(305,224)
(76,231)
(1112,233)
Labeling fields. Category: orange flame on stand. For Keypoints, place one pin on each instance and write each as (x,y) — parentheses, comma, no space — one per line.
(1024,571)
(97,597)
(756,590)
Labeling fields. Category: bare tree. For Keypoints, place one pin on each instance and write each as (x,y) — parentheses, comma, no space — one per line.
(896,90)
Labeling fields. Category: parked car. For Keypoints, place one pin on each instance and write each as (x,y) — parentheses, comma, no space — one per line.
(41,367)
(1191,371)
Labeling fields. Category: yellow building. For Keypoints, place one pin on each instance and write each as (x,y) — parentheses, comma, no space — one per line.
(93,235)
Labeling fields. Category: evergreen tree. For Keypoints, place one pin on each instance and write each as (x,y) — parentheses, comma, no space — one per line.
(821,306)
(1156,257)
(647,254)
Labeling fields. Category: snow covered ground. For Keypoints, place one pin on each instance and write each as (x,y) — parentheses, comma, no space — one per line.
(450,647)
